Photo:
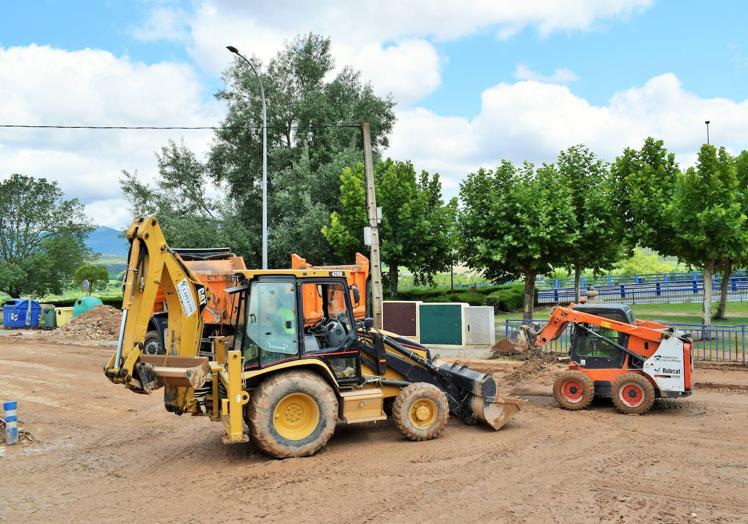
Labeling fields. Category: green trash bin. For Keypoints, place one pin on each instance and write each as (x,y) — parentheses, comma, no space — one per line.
(49,317)
(85,304)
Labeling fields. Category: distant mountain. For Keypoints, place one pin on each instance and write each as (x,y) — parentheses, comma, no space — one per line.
(108,242)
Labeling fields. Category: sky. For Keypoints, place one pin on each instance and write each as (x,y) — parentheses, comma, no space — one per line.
(474,81)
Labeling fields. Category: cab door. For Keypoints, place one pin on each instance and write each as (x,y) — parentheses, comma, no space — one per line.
(329,329)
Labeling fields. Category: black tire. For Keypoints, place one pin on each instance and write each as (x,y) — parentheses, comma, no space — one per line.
(421,411)
(152,344)
(292,414)
(573,390)
(632,394)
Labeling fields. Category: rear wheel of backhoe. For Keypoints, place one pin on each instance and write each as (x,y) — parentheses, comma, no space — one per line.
(292,414)
(632,394)
(573,390)
(421,411)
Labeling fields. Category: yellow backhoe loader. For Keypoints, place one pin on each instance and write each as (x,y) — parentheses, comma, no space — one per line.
(298,363)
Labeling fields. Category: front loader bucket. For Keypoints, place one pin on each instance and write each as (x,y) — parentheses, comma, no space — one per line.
(481,398)
(497,413)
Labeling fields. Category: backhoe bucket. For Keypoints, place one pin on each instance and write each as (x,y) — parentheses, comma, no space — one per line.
(156,371)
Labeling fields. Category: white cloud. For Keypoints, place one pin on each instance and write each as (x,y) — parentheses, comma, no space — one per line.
(559,76)
(388,40)
(44,85)
(531,120)
(163,23)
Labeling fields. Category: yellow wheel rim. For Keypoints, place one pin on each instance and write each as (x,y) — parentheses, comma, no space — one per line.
(422,412)
(296,416)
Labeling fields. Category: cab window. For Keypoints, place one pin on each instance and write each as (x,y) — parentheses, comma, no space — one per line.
(270,325)
(328,325)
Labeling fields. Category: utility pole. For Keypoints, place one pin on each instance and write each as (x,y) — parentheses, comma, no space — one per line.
(371,209)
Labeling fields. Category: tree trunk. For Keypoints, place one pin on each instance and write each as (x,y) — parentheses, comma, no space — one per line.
(394,276)
(577,278)
(529,296)
(451,277)
(724,288)
(707,309)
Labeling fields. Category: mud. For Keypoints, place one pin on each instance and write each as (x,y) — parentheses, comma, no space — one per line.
(99,324)
(101,453)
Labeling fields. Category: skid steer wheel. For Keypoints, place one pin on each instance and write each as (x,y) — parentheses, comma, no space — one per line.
(421,411)
(152,344)
(633,394)
(573,390)
(292,414)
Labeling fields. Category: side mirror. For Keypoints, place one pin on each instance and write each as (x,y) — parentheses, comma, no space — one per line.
(368,323)
(356,295)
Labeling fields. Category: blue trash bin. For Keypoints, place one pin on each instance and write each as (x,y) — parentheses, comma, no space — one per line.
(21,313)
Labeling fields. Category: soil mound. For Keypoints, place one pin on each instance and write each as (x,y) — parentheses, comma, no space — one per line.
(100,323)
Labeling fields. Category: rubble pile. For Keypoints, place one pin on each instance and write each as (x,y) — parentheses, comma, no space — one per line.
(100,323)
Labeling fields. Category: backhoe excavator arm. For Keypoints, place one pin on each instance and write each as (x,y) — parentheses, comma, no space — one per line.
(151,264)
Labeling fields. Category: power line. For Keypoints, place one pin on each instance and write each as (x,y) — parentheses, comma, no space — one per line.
(167,128)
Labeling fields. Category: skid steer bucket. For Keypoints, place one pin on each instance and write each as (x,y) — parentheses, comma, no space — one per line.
(518,341)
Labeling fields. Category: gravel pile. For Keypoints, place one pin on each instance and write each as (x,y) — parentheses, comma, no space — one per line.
(101,323)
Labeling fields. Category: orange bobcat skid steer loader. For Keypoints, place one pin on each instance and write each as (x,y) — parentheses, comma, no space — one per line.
(612,355)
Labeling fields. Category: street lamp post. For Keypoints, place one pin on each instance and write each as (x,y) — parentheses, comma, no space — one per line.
(707,131)
(264,159)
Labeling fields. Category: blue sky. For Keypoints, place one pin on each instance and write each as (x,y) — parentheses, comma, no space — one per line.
(474,84)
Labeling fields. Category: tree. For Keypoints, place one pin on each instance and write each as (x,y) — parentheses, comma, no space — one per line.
(416,223)
(94,273)
(643,183)
(188,217)
(708,215)
(42,236)
(313,114)
(517,222)
(741,171)
(599,232)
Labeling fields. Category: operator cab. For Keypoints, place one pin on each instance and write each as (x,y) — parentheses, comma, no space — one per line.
(594,352)
(284,318)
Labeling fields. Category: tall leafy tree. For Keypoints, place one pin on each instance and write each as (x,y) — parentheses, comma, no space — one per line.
(643,184)
(708,215)
(313,114)
(727,264)
(179,199)
(517,222)
(42,236)
(599,230)
(416,223)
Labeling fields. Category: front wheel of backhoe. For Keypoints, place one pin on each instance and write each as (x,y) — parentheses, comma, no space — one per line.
(292,414)
(421,411)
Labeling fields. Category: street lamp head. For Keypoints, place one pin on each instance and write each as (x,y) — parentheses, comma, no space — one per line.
(707,122)
(232,49)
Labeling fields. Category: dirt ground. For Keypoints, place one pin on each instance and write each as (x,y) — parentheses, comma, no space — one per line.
(102,453)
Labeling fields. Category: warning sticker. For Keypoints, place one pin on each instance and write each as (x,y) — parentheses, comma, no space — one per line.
(185,297)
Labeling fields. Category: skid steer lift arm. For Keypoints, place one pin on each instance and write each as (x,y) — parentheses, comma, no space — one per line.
(646,336)
(152,265)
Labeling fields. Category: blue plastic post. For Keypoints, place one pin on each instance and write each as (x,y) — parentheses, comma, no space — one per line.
(581,282)
(636,279)
(11,424)
(555,283)
(610,280)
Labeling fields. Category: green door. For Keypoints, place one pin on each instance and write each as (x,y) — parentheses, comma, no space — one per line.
(441,324)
